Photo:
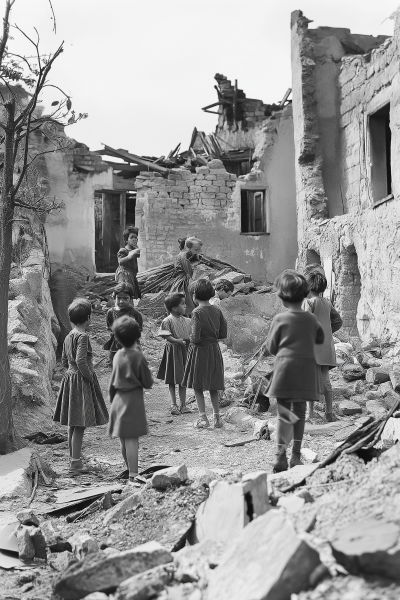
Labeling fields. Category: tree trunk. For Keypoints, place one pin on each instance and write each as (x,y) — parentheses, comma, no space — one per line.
(7,437)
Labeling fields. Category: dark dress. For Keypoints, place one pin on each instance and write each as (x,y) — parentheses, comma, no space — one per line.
(80,402)
(296,375)
(204,366)
(129,376)
(128,271)
(112,315)
(172,366)
(183,274)
(330,321)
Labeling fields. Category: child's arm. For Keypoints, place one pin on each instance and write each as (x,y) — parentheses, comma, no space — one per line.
(81,357)
(195,329)
(109,319)
(273,339)
(173,340)
(111,389)
(145,376)
(223,327)
(138,318)
(336,320)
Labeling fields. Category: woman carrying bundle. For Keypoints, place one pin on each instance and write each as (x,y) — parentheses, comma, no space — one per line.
(190,248)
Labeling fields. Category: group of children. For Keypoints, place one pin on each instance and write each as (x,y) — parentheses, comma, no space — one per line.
(300,338)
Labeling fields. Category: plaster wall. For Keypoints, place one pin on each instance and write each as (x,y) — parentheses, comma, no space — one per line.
(71,231)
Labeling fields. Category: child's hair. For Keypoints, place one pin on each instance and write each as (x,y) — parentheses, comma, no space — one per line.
(126,330)
(223,285)
(173,300)
(191,241)
(202,289)
(291,286)
(181,243)
(123,288)
(130,229)
(79,311)
(317,282)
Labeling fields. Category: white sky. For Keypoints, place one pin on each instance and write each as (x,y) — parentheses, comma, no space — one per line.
(143,69)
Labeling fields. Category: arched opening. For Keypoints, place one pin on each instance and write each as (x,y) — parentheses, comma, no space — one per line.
(348,289)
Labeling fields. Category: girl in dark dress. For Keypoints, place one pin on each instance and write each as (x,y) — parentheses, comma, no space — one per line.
(80,403)
(127,260)
(296,376)
(184,270)
(130,375)
(123,294)
(204,366)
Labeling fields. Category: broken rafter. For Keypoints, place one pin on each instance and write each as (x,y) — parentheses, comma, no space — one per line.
(134,158)
(285,97)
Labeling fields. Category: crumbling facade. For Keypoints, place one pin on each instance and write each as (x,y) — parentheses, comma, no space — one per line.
(346,115)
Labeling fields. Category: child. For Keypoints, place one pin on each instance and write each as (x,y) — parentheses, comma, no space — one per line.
(122,294)
(173,361)
(204,366)
(129,376)
(330,321)
(127,260)
(80,403)
(223,289)
(296,376)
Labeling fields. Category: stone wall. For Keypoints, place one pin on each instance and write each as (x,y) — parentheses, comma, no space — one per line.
(208,204)
(332,135)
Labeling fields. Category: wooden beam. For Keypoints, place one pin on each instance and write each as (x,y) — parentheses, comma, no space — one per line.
(124,166)
(285,97)
(129,157)
(235,92)
(122,213)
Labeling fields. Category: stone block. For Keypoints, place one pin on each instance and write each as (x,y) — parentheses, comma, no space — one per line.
(370,546)
(27,517)
(192,563)
(395,379)
(267,561)
(144,585)
(212,188)
(54,541)
(349,407)
(224,514)
(16,471)
(377,375)
(39,542)
(83,544)
(27,350)
(391,432)
(386,389)
(23,338)
(168,477)
(203,170)
(122,508)
(26,549)
(97,573)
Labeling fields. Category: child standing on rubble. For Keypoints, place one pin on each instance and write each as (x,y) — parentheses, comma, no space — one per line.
(205,367)
(296,376)
(173,362)
(80,403)
(223,289)
(330,321)
(122,294)
(129,376)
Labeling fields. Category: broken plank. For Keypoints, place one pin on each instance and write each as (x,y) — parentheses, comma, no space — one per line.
(128,156)
(240,442)
(63,497)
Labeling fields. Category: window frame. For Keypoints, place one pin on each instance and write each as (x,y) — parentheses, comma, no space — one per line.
(388,195)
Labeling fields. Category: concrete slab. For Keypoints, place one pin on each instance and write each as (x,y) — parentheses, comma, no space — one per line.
(16,473)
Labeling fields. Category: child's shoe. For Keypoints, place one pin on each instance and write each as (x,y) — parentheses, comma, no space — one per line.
(295,459)
(184,409)
(175,410)
(76,467)
(218,421)
(281,463)
(330,417)
(202,422)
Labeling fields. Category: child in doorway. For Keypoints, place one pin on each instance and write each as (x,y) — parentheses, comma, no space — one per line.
(223,289)
(330,321)
(204,366)
(80,403)
(173,362)
(129,376)
(122,294)
(296,376)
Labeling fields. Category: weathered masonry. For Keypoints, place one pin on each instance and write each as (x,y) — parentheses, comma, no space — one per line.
(346,110)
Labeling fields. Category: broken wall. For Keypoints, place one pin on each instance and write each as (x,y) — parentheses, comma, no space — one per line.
(339,80)
(208,204)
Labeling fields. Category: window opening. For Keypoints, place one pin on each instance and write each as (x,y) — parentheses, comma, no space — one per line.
(254,212)
(380,142)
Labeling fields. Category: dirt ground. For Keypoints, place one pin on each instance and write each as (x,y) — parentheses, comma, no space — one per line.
(163,516)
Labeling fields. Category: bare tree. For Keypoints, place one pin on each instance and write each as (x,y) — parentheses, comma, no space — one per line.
(20,183)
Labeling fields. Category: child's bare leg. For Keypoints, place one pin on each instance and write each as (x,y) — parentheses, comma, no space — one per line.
(201,405)
(76,442)
(172,394)
(214,395)
(299,409)
(182,395)
(132,455)
(70,434)
(123,451)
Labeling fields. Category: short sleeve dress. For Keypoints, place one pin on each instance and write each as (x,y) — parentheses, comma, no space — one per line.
(129,376)
(330,321)
(292,339)
(205,366)
(112,315)
(128,271)
(173,362)
(80,402)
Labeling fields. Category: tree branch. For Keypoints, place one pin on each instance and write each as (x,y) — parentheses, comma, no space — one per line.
(6,29)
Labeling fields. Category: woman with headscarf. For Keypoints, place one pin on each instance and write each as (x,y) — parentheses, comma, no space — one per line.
(127,260)
(190,249)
